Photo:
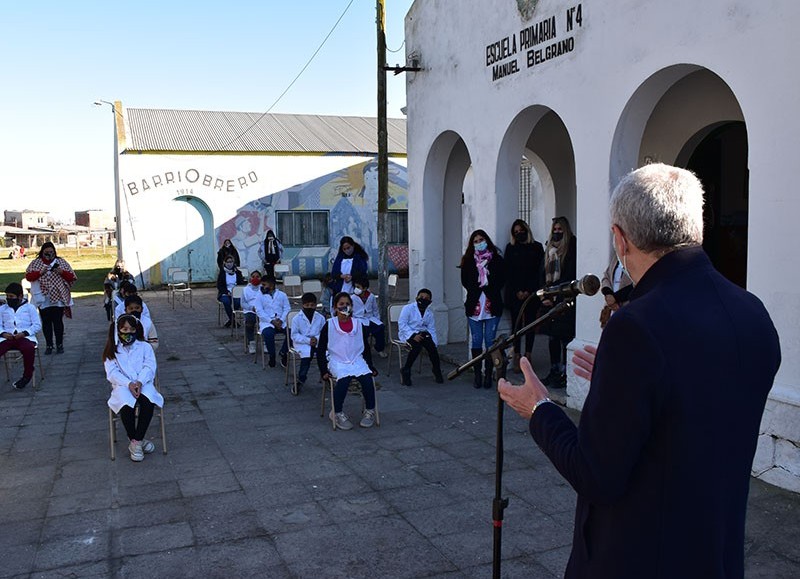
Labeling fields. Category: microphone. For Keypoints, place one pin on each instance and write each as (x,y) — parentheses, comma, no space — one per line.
(588,285)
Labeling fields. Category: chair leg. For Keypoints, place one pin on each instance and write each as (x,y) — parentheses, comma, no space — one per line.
(163,430)
(112,434)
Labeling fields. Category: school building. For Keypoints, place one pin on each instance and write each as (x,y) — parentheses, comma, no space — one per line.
(536,109)
(188,180)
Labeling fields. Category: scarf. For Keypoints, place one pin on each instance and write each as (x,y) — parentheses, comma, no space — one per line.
(552,266)
(482,259)
(52,284)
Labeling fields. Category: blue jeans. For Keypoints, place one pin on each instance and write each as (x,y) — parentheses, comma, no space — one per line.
(268,335)
(483,332)
(367,389)
(226,300)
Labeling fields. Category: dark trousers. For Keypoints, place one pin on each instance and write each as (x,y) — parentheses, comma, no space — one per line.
(53,320)
(28,350)
(558,350)
(226,302)
(367,389)
(527,318)
(377,332)
(416,348)
(268,335)
(250,326)
(305,364)
(136,429)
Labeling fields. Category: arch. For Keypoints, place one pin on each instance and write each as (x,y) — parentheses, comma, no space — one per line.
(446,208)
(198,255)
(687,115)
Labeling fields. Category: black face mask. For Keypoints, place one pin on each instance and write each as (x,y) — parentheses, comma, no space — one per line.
(423,303)
(266,290)
(137,315)
(557,236)
(309,312)
(13,303)
(521,237)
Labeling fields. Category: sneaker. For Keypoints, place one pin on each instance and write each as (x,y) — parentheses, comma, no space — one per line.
(271,362)
(341,420)
(283,360)
(48,350)
(251,348)
(59,349)
(228,324)
(405,376)
(147,446)
(367,419)
(22,382)
(382,354)
(135,448)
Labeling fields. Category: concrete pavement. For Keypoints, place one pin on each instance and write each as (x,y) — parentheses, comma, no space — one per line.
(256,484)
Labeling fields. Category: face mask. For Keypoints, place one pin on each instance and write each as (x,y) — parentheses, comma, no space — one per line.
(358,291)
(557,236)
(266,290)
(229,266)
(49,256)
(227,244)
(309,312)
(13,303)
(521,237)
(255,280)
(126,339)
(423,303)
(137,315)
(481,246)
(345,310)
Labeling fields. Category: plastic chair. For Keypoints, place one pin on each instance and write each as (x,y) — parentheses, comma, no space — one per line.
(354,388)
(180,286)
(15,356)
(293,286)
(401,345)
(114,418)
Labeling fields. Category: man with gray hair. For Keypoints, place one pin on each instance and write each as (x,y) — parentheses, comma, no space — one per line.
(662,455)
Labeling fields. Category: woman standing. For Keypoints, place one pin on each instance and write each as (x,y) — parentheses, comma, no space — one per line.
(270,253)
(524,262)
(483,276)
(226,250)
(351,261)
(559,266)
(51,278)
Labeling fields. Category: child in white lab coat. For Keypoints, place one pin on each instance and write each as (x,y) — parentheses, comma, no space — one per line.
(306,327)
(365,309)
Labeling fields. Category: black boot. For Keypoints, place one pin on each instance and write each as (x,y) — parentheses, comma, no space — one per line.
(478,383)
(552,376)
(487,376)
(405,376)
(437,375)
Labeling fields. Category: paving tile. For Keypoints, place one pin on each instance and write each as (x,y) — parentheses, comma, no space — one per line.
(155,538)
(77,549)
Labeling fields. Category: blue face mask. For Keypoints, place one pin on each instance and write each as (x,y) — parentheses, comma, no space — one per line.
(481,246)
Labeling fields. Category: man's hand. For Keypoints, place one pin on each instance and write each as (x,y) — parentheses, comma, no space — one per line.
(326,376)
(417,338)
(584,360)
(524,397)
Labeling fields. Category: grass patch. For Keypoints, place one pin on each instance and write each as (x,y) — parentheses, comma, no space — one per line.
(91,267)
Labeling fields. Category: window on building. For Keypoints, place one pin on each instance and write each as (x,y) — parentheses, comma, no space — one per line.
(525,193)
(397,225)
(303,228)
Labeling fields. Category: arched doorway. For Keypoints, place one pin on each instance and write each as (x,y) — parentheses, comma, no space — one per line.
(198,254)
(688,116)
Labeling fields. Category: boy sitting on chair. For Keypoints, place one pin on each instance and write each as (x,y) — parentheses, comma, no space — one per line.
(135,307)
(126,289)
(19,322)
(306,327)
(416,327)
(365,310)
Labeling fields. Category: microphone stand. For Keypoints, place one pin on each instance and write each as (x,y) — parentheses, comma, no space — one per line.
(498,356)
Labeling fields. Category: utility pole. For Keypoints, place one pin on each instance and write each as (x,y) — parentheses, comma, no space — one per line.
(383,164)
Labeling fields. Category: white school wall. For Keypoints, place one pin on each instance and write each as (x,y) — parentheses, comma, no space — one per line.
(640,79)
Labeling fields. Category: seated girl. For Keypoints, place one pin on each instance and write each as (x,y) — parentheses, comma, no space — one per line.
(344,354)
(131,368)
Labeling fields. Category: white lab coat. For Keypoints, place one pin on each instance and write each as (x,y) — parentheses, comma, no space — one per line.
(271,307)
(119,310)
(412,322)
(250,295)
(136,362)
(345,350)
(25,319)
(366,311)
(150,333)
(303,331)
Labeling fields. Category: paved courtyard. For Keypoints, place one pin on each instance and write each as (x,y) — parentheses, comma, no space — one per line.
(256,484)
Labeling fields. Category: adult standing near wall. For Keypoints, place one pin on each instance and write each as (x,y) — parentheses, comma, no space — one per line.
(351,261)
(661,458)
(51,278)
(228,249)
(560,265)
(270,252)
(483,276)
(524,258)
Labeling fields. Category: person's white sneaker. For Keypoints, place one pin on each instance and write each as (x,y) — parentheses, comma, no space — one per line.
(147,446)
(251,348)
(135,448)
(367,418)
(341,420)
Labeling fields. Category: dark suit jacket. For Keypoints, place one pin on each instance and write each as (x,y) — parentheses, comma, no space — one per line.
(662,455)
(222,281)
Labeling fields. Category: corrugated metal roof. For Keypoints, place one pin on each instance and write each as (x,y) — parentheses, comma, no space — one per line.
(215,131)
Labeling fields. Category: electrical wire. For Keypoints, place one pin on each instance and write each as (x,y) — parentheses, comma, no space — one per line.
(399,49)
(291,84)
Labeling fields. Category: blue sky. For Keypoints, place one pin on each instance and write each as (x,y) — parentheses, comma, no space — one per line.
(59,57)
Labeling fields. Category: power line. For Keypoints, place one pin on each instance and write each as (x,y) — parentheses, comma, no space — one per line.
(291,84)
(399,49)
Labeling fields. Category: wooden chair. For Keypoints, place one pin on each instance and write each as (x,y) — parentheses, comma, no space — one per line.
(293,355)
(114,418)
(354,388)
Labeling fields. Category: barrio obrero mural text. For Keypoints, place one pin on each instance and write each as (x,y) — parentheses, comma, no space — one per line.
(191,177)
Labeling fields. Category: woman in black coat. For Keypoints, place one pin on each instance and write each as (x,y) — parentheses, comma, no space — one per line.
(229,277)
(226,250)
(483,276)
(524,259)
